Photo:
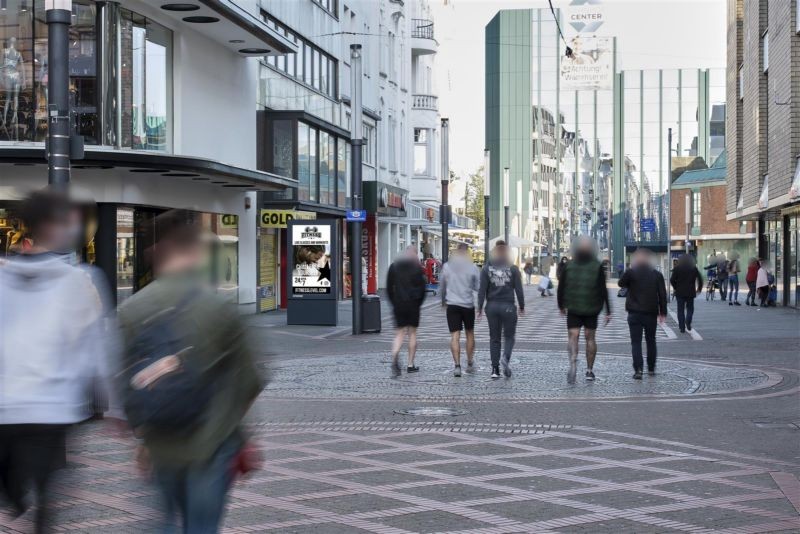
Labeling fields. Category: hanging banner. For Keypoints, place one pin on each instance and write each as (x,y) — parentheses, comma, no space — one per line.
(591,66)
(369,253)
(311,251)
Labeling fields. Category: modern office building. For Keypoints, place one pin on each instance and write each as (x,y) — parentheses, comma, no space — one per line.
(164,96)
(763,126)
(560,145)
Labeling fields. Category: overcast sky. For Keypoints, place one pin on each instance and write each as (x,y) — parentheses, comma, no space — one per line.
(650,34)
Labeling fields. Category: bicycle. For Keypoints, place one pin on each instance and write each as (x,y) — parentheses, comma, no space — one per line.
(711,285)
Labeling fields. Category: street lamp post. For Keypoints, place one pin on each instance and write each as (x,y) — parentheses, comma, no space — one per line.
(444,209)
(59,18)
(688,207)
(487,189)
(506,222)
(357,142)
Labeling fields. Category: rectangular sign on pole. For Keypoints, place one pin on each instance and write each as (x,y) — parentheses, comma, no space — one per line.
(356,216)
(647,225)
(313,273)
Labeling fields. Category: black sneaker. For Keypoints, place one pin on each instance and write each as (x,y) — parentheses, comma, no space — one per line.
(457,371)
(637,375)
(730,304)
(395,369)
(495,371)
(689,327)
(412,369)
(651,372)
(506,363)
(737,303)
(590,375)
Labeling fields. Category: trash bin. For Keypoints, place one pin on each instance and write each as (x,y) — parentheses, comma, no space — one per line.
(370,313)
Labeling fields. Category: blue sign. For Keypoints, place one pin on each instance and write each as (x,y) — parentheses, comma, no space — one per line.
(647,225)
(356,215)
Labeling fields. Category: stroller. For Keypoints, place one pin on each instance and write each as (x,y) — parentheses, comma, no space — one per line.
(712,285)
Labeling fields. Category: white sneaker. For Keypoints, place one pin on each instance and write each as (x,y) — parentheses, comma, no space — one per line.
(470,368)
(457,371)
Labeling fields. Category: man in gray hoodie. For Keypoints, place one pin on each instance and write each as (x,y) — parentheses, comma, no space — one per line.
(459,281)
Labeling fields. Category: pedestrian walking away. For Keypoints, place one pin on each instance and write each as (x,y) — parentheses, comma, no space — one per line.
(459,282)
(764,281)
(528,269)
(687,282)
(405,287)
(733,279)
(53,353)
(750,277)
(500,283)
(581,295)
(646,304)
(189,378)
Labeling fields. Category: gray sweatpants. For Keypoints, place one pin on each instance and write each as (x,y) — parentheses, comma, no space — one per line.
(502,319)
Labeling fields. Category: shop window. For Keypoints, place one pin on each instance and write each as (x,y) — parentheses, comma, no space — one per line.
(324,169)
(696,209)
(342,177)
(125,254)
(282,144)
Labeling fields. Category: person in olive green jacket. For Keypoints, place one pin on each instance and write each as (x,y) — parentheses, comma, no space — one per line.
(193,468)
(582,294)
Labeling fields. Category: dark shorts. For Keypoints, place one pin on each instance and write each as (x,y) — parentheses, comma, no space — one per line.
(585,321)
(459,317)
(406,315)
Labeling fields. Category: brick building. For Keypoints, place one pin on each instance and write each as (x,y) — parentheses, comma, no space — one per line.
(710,231)
(763,131)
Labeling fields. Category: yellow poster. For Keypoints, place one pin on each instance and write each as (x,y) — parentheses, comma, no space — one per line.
(281,218)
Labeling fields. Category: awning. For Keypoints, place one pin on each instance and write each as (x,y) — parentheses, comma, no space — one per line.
(230,25)
(163,166)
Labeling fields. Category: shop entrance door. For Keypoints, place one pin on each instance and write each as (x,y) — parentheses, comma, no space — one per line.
(268,281)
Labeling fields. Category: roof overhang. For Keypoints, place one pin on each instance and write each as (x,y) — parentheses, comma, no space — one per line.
(229,24)
(165,166)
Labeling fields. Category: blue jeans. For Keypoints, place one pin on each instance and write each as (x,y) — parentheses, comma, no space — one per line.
(198,492)
(733,288)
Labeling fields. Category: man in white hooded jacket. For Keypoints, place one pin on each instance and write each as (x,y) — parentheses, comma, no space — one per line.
(51,339)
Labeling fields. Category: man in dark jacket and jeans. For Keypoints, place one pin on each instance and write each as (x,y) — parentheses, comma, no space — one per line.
(500,281)
(646,304)
(405,287)
(582,294)
(688,283)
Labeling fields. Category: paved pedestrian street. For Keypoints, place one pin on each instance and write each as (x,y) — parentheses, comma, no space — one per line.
(711,443)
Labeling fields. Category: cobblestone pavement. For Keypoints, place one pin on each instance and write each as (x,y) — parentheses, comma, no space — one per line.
(710,444)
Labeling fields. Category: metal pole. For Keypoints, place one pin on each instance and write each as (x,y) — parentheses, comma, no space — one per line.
(59,17)
(505,205)
(487,189)
(669,211)
(444,209)
(688,221)
(357,142)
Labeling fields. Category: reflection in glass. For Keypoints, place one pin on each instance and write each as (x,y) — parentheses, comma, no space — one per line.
(303,171)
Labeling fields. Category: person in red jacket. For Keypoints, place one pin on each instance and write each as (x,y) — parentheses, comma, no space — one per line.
(750,278)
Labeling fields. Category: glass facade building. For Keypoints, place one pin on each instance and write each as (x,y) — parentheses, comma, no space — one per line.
(594,162)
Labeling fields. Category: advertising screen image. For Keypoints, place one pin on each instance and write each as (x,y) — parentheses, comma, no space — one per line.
(311,249)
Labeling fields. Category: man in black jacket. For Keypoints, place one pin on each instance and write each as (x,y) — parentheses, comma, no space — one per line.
(646,304)
(688,283)
(405,287)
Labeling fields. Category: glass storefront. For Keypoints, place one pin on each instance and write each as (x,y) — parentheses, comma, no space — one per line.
(792,223)
(136,104)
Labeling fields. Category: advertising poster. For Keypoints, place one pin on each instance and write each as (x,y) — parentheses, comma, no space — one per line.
(591,66)
(311,251)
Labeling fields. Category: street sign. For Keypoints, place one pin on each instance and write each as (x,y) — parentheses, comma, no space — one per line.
(647,225)
(356,215)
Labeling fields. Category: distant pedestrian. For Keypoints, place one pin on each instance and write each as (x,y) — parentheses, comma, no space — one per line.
(51,351)
(687,282)
(500,282)
(459,282)
(582,294)
(733,279)
(190,378)
(764,280)
(405,287)
(722,276)
(750,277)
(562,264)
(528,269)
(646,303)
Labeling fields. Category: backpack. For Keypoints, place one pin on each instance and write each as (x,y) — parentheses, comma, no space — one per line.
(165,392)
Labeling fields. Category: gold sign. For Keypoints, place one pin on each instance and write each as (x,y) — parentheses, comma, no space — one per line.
(281,218)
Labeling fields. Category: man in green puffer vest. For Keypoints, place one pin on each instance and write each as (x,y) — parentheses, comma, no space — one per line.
(582,294)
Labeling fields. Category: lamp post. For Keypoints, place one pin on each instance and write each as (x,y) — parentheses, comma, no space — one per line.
(59,18)
(357,142)
(487,189)
(506,223)
(444,209)
(688,206)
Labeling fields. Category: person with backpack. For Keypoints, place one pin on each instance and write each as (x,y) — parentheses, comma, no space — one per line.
(189,378)
(53,352)
(459,282)
(582,295)
(646,303)
(750,277)
(500,282)
(405,287)
(687,282)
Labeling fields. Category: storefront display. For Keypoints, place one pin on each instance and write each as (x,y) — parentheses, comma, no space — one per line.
(311,250)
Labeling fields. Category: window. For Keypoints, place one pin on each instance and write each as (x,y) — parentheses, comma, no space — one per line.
(765,50)
(313,164)
(328,5)
(282,143)
(696,207)
(741,82)
(368,155)
(420,151)
(342,179)
(797,16)
(303,171)
(311,65)
(392,144)
(324,169)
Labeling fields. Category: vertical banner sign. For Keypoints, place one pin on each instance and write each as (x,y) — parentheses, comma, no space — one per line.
(311,251)
(369,252)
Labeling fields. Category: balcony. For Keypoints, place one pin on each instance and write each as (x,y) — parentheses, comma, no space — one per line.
(422,39)
(425,102)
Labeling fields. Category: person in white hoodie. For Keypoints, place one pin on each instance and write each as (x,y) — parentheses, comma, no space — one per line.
(459,283)
(51,334)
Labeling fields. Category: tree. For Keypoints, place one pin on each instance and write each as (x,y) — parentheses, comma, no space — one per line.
(474,197)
